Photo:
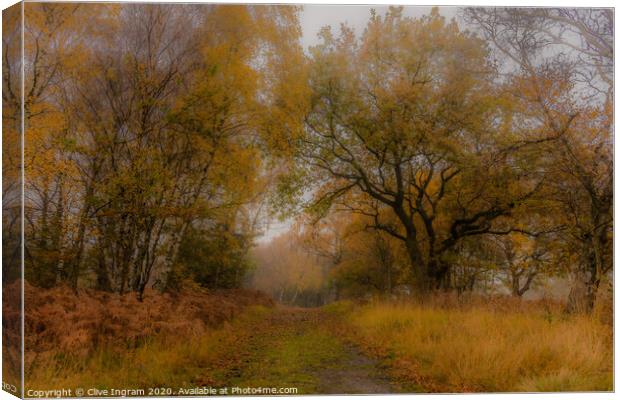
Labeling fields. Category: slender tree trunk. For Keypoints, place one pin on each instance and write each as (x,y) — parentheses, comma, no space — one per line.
(295,295)
(103,279)
(57,240)
(389,278)
(78,252)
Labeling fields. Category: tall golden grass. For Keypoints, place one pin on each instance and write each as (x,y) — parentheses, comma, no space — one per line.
(500,346)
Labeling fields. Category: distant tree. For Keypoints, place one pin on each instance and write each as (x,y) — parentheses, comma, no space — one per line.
(524,260)
(286,270)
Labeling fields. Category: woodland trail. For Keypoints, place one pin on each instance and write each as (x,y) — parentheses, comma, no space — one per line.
(299,348)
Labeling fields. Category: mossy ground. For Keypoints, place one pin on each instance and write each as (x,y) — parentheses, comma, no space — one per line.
(264,348)
(302,350)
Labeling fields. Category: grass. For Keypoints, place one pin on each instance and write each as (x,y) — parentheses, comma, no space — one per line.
(159,362)
(479,349)
(248,352)
(290,359)
(431,347)
(262,348)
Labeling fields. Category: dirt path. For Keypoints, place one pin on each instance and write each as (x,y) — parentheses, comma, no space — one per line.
(298,348)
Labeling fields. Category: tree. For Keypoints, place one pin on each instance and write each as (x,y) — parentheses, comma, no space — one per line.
(213,259)
(406,121)
(523,261)
(559,62)
(11,149)
(12,165)
(149,123)
(54,38)
(373,260)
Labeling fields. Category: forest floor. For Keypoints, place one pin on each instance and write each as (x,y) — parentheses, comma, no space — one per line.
(490,345)
(301,348)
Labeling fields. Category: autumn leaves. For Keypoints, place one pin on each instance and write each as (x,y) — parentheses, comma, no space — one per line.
(442,141)
(162,138)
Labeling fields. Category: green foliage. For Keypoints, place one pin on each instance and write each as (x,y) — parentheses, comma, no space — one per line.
(357,278)
(289,190)
(214,259)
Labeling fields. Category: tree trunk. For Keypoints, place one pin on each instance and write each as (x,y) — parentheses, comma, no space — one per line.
(440,275)
(582,295)
(419,269)
(430,275)
(103,279)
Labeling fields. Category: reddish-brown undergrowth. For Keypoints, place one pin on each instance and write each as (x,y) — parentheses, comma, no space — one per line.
(59,320)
